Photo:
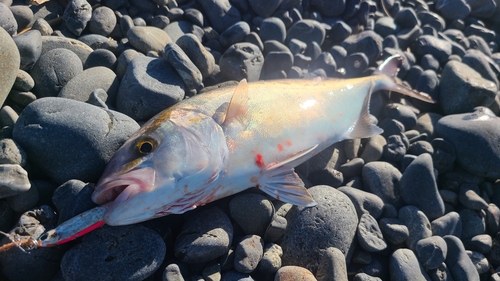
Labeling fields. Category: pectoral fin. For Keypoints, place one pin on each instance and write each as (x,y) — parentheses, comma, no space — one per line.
(293,160)
(285,185)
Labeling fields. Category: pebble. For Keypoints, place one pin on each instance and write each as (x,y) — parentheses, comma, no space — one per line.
(275,229)
(157,81)
(364,202)
(221,13)
(7,20)
(148,38)
(89,134)
(272,28)
(242,61)
(374,149)
(493,218)
(462,88)
(186,69)
(54,70)
(480,262)
(469,197)
(417,223)
(172,273)
(276,65)
(307,31)
(83,84)
(394,230)
(131,252)
(72,198)
(43,26)
(10,58)
(431,251)
(101,57)
(204,237)
(11,152)
(370,237)
(444,155)
(24,81)
(270,262)
(76,16)
(471,130)
(427,44)
(458,262)
(234,34)
(382,179)
(332,265)
(453,10)
(404,265)
(29,45)
(103,21)
(14,180)
(473,222)
(290,273)
(248,253)
(365,277)
(449,224)
(307,228)
(367,42)
(395,149)
(53,42)
(481,243)
(204,60)
(233,275)
(252,212)
(418,187)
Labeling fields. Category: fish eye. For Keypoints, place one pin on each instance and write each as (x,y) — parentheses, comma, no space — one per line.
(146,146)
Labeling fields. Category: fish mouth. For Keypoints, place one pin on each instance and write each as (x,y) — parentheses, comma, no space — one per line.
(119,188)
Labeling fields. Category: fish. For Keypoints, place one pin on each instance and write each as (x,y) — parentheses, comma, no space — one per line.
(227,140)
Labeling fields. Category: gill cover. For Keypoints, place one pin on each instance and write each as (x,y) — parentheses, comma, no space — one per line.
(167,167)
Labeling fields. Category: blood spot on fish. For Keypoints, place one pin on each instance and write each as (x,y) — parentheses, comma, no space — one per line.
(289,143)
(340,113)
(259,160)
(280,147)
(254,179)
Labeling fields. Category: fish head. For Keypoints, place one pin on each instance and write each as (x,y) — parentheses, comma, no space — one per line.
(168,167)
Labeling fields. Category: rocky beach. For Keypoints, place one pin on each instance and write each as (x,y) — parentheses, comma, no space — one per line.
(421,201)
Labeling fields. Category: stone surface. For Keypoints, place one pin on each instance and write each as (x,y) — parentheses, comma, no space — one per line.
(316,228)
(9,62)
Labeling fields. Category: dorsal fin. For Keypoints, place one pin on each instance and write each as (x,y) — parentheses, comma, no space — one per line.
(364,128)
(238,106)
(391,65)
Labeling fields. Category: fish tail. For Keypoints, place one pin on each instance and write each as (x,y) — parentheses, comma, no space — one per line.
(390,68)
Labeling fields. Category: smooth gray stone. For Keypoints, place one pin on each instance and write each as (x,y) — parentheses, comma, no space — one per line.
(273,28)
(332,265)
(367,42)
(204,237)
(370,237)
(172,273)
(382,179)
(462,88)
(54,70)
(7,20)
(468,131)
(79,48)
(10,58)
(220,13)
(43,26)
(449,224)
(418,224)
(103,21)
(148,38)
(364,202)
(11,152)
(404,266)
(457,260)
(29,45)
(198,54)
(252,212)
(270,262)
(99,77)
(188,71)
(24,81)
(90,136)
(157,81)
(13,180)
(234,34)
(334,208)
(123,61)
(307,31)
(394,230)
(76,16)
(431,251)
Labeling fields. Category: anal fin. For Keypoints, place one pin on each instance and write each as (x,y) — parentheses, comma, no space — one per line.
(285,185)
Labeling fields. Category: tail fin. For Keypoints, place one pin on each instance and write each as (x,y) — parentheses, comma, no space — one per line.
(390,67)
